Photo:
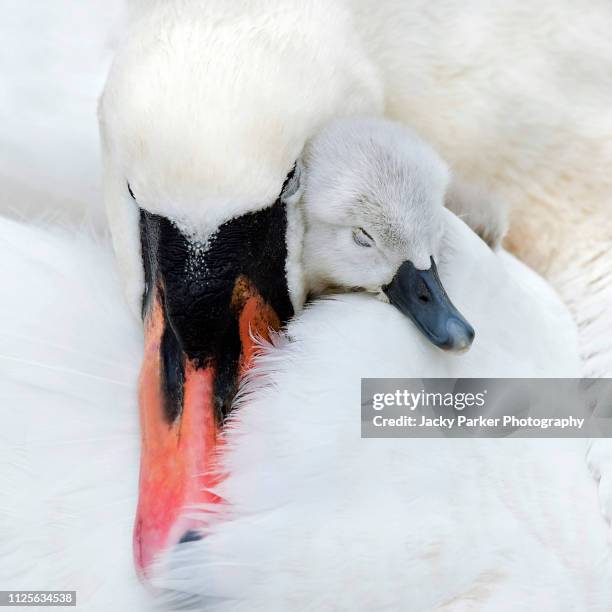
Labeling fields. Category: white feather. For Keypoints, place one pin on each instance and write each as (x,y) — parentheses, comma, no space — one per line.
(58,54)
(69,445)
(320,519)
(534,534)
(407,524)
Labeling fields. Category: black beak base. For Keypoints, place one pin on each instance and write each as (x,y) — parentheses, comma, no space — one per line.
(419,294)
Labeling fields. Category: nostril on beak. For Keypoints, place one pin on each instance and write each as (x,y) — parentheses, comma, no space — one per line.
(190,536)
(422,291)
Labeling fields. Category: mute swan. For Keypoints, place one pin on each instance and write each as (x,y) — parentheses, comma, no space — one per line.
(84,282)
(310,506)
(208,169)
(319,519)
(528,309)
(198,226)
(358,173)
(176,137)
(496,571)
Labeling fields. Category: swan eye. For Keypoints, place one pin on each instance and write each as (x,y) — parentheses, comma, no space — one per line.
(362,238)
(131,192)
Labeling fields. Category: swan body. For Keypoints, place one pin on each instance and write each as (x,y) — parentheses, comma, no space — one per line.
(312,506)
(68,371)
(375,54)
(529,309)
(486,524)
(72,512)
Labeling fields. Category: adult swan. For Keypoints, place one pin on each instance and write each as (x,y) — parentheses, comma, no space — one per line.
(206,109)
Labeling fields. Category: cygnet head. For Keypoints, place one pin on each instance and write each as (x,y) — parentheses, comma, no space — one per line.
(372,201)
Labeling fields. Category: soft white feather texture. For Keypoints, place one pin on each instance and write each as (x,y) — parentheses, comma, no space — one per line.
(69,444)
(575,140)
(516,99)
(491,524)
(56,55)
(319,519)
(208,104)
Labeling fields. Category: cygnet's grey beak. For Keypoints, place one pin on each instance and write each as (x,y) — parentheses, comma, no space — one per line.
(419,294)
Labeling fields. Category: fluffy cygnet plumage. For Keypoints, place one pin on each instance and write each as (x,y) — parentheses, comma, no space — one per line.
(373,192)
(372,200)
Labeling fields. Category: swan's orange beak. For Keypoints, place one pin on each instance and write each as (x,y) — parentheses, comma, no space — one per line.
(181,424)
(203,302)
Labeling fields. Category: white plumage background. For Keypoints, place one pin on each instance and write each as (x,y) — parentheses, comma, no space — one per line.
(69,358)
(55,59)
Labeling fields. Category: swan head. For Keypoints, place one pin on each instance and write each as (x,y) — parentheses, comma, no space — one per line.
(202,120)
(372,204)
